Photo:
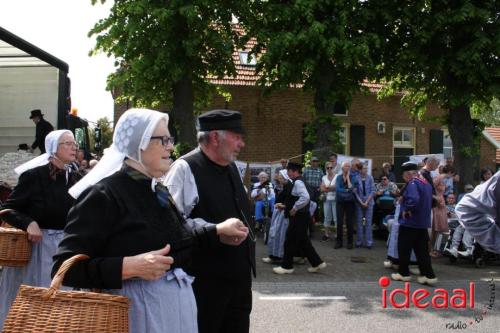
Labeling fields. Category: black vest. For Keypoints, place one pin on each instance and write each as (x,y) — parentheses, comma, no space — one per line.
(221,195)
(290,200)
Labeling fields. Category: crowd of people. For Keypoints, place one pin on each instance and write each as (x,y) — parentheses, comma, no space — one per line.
(149,226)
(347,194)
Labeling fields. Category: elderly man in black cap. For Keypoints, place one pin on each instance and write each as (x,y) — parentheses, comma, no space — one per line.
(207,187)
(43,127)
(414,221)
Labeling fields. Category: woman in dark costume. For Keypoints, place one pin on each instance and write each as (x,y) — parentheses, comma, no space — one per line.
(128,224)
(39,204)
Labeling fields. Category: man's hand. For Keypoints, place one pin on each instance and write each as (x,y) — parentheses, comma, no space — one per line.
(293,211)
(406,214)
(232,231)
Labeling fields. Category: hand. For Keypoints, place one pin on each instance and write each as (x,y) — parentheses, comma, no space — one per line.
(293,212)
(232,231)
(406,214)
(279,206)
(34,232)
(148,266)
(364,204)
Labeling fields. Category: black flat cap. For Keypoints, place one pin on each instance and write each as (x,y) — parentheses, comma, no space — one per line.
(36,113)
(294,166)
(409,166)
(220,120)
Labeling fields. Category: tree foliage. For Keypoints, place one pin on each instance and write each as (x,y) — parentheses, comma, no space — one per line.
(165,50)
(443,52)
(447,52)
(322,46)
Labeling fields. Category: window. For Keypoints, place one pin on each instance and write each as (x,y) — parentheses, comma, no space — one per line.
(403,137)
(447,144)
(340,109)
(343,139)
(247,60)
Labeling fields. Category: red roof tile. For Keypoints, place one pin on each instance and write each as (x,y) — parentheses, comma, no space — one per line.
(495,133)
(246,76)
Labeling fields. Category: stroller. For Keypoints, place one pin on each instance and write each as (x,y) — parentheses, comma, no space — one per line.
(480,257)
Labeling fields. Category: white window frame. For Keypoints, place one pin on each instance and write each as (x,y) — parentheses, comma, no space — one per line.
(446,133)
(345,143)
(404,144)
(244,57)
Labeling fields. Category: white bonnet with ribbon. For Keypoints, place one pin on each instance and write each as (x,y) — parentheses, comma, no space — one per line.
(51,144)
(132,134)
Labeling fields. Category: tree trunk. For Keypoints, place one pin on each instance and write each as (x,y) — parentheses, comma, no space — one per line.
(182,112)
(323,107)
(461,128)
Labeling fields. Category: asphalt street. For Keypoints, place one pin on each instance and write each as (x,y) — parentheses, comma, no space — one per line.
(347,297)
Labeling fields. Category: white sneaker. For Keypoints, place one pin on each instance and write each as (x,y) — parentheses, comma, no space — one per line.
(453,251)
(414,270)
(281,270)
(426,280)
(267,260)
(399,277)
(317,268)
(387,264)
(466,253)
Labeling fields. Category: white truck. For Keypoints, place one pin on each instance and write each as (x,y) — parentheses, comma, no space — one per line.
(31,78)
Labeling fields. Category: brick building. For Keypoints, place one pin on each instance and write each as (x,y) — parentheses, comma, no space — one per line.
(381,130)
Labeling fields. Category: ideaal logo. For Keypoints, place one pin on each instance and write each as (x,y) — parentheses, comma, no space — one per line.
(421,298)
(460,298)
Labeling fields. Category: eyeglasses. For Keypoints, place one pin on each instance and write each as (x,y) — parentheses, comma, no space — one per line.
(329,168)
(384,178)
(70,144)
(165,140)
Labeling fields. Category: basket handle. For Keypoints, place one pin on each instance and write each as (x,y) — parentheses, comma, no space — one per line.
(59,277)
(5,211)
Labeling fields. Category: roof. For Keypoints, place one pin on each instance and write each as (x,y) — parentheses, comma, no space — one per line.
(246,75)
(16,52)
(492,134)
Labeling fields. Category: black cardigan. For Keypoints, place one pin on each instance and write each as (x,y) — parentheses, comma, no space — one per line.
(38,197)
(118,217)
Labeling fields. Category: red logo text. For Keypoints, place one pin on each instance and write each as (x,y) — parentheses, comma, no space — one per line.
(421,298)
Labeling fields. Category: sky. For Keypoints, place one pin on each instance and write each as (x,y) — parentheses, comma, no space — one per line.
(60,28)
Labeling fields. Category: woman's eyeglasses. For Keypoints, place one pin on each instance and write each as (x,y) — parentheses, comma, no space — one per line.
(329,168)
(70,144)
(165,140)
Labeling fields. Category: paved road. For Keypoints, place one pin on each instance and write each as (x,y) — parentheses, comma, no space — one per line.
(361,310)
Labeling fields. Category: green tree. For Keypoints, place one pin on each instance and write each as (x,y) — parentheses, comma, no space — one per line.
(106,134)
(165,51)
(444,52)
(321,45)
(488,114)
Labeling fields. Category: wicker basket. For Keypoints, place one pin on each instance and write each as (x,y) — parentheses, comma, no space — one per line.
(15,248)
(44,310)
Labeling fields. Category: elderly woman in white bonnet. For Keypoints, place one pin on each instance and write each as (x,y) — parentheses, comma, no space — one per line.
(39,204)
(128,225)
(279,222)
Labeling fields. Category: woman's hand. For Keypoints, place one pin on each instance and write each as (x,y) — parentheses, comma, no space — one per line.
(148,266)
(34,232)
(232,231)
(279,206)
